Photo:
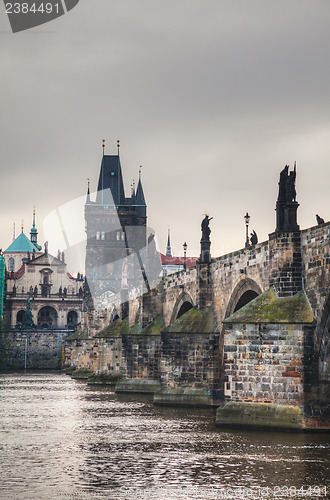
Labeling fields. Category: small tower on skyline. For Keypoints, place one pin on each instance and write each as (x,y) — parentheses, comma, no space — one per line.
(34,231)
(168,246)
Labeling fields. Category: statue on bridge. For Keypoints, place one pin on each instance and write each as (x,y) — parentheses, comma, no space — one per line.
(286,206)
(205,257)
(205,227)
(287,185)
(254,238)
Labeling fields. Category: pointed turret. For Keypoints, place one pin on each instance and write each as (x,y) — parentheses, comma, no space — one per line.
(34,232)
(110,190)
(168,247)
(140,201)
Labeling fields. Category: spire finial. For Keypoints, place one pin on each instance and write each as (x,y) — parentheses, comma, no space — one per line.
(103,145)
(22,227)
(88,199)
(34,216)
(118,145)
(140,171)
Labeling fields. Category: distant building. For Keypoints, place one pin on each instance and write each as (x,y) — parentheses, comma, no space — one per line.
(172,264)
(56,297)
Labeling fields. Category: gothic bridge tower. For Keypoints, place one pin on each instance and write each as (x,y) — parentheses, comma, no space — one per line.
(116,229)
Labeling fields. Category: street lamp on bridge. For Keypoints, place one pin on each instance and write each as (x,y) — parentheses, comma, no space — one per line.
(185,256)
(247,220)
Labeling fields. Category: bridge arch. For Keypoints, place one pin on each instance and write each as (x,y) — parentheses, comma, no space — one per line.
(114,315)
(245,291)
(183,303)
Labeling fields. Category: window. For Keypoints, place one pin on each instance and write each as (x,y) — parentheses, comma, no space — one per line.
(11,264)
(118,235)
(97,235)
(123,236)
(103,235)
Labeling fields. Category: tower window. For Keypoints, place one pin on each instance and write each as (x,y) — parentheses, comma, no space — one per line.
(118,235)
(123,236)
(97,235)
(103,235)
(11,264)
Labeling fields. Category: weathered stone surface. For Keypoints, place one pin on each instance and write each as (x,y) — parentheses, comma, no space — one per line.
(183,397)
(260,416)
(137,385)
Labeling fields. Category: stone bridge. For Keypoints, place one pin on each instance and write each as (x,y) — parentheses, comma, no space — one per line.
(249,327)
(290,262)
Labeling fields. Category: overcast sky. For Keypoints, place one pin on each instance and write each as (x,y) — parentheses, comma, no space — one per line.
(212,97)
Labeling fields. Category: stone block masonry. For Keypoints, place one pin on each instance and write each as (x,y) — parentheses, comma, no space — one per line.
(264,363)
(39,349)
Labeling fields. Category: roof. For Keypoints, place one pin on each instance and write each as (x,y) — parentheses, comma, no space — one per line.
(110,190)
(177,261)
(18,274)
(22,244)
(46,259)
(269,308)
(194,321)
(140,200)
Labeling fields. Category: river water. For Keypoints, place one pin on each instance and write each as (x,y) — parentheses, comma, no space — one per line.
(63,439)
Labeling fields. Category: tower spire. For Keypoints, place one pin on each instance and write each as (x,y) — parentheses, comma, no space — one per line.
(103,145)
(168,247)
(34,231)
(118,145)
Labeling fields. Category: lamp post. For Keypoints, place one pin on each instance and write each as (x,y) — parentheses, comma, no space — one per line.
(247,220)
(185,256)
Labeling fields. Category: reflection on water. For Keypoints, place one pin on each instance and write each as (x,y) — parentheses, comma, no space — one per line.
(60,438)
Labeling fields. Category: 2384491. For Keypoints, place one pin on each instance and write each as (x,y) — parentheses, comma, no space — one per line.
(35,8)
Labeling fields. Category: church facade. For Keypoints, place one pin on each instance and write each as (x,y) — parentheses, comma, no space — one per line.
(54,295)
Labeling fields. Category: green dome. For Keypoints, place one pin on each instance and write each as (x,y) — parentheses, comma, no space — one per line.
(22,244)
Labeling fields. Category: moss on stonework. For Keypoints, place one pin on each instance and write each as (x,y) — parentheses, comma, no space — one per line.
(104,378)
(194,321)
(115,329)
(155,327)
(269,308)
(83,373)
(119,328)
(78,335)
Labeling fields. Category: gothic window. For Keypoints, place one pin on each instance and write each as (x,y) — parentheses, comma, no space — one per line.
(11,264)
